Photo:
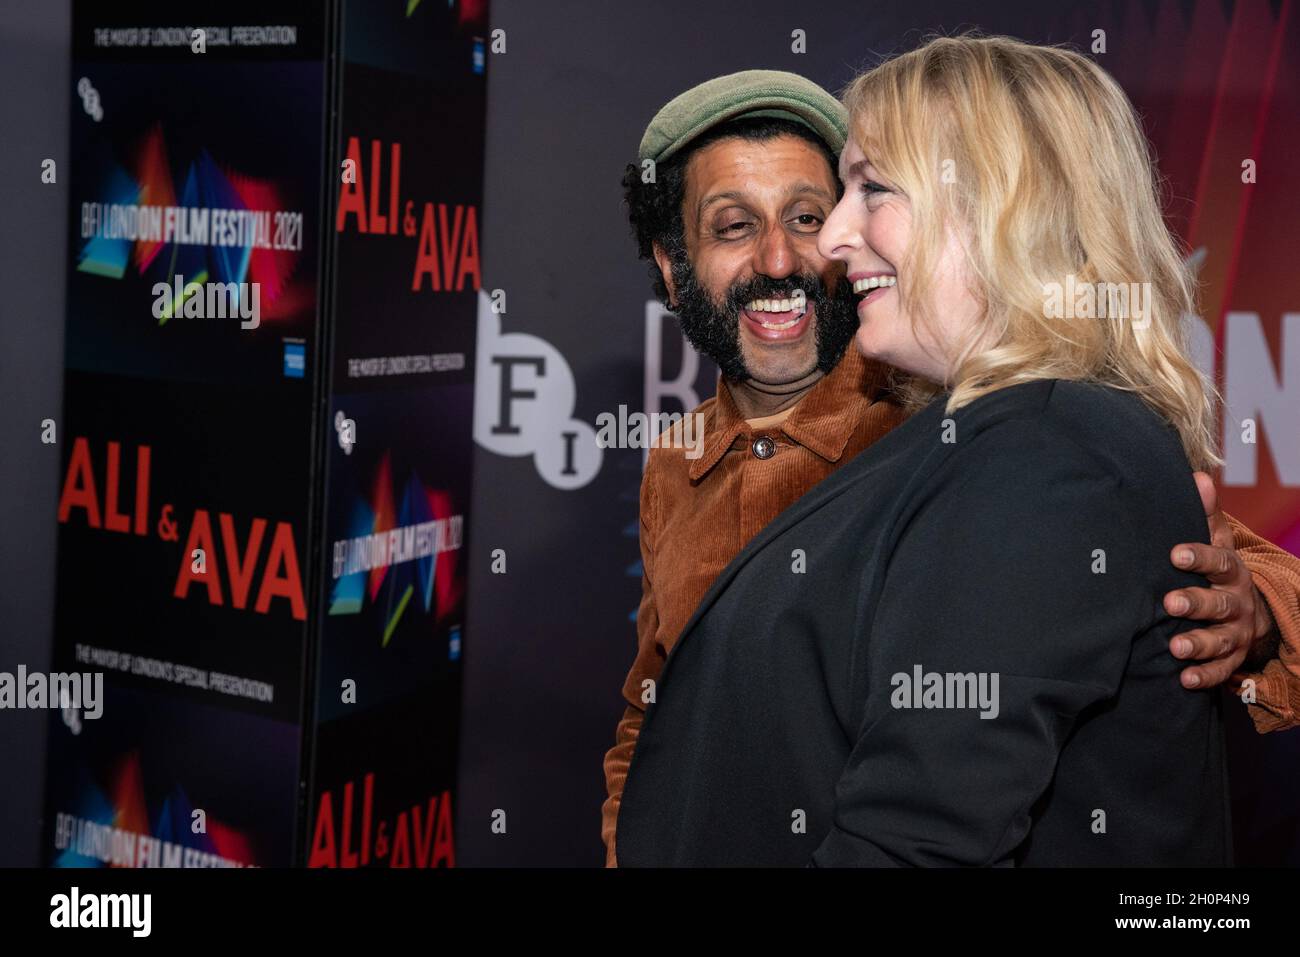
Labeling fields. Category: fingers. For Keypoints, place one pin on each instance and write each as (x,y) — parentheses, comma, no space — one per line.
(1208,675)
(1220,650)
(1206,644)
(1203,604)
(1220,565)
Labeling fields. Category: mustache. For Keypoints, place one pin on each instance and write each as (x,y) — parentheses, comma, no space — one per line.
(712,325)
(809,285)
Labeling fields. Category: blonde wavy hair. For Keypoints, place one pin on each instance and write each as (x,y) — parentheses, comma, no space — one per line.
(1035,155)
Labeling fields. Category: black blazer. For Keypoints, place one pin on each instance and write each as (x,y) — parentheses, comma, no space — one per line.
(1024,540)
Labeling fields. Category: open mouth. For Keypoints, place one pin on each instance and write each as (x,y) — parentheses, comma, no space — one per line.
(777,319)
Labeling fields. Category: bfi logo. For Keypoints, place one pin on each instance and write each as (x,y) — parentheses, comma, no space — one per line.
(524,395)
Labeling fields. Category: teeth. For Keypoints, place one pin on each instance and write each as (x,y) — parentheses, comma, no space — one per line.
(777,306)
(770,305)
(875,282)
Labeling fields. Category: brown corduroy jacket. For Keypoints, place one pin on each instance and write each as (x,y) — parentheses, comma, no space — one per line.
(698,513)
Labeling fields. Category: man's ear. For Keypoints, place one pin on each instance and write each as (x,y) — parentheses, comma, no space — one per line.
(665,265)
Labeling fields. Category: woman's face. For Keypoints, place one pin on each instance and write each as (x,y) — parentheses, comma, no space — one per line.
(870,231)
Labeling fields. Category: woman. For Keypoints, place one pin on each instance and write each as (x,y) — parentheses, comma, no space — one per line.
(953,651)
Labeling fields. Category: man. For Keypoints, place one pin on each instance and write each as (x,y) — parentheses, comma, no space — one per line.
(742,178)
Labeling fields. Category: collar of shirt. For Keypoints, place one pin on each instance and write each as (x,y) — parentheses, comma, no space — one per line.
(822,422)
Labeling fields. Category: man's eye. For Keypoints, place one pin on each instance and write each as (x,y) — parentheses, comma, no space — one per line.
(735,227)
(808,219)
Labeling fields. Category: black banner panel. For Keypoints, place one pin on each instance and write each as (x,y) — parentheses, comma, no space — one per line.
(273,264)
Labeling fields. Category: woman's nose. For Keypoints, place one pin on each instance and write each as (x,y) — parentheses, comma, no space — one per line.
(834,241)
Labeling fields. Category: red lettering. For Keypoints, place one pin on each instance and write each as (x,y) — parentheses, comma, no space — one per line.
(443,848)
(200,537)
(365,819)
(288,585)
(423,847)
(401,844)
(469,253)
(426,256)
(322,844)
(114,521)
(351,196)
(396,162)
(79,485)
(241,576)
(142,456)
(348,857)
(377,222)
(448,243)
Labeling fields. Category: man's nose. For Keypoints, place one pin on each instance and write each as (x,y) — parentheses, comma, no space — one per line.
(775,255)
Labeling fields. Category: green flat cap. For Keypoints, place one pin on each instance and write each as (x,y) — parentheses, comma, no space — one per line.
(748,93)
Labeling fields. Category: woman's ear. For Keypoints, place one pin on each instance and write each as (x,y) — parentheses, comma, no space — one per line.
(665,264)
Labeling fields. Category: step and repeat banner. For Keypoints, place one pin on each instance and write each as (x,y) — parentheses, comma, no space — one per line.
(408,270)
(266,436)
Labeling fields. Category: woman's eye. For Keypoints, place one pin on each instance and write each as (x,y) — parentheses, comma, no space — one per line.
(869,188)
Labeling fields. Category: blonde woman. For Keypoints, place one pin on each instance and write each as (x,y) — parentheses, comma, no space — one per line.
(953,651)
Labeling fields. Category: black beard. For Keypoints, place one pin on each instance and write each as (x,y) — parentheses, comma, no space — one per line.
(714,328)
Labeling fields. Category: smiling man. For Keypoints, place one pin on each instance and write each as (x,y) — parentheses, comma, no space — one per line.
(734,180)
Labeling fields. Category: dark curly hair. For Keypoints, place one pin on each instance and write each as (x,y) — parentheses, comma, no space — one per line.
(655,209)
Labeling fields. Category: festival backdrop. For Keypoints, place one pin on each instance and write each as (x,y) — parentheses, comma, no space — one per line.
(267,432)
(407,272)
(184,506)
(572,85)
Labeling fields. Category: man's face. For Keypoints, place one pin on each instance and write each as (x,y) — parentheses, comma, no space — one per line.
(750,288)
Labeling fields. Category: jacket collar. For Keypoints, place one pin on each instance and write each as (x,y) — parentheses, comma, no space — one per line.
(823,421)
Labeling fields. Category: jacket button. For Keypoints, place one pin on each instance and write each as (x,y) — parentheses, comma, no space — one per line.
(764,447)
